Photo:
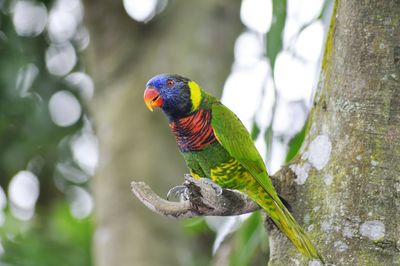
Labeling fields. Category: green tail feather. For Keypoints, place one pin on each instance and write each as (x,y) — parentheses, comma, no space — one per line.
(284,220)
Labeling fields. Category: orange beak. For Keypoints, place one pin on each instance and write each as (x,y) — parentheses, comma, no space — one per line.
(152,98)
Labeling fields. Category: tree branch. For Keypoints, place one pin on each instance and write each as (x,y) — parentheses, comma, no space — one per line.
(202,199)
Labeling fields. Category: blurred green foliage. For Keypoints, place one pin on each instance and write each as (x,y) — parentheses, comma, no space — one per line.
(29,140)
(250,243)
(26,129)
(275,33)
(57,239)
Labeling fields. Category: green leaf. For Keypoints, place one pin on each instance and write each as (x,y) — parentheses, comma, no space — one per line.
(295,143)
(274,35)
(195,225)
(268,141)
(250,243)
(255,131)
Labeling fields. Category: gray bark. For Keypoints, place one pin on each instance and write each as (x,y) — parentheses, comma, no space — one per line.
(344,186)
(193,39)
(201,199)
(350,161)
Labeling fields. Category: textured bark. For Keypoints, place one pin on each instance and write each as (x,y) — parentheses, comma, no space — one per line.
(202,200)
(191,38)
(350,161)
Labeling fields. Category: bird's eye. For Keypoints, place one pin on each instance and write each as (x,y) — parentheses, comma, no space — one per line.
(170,83)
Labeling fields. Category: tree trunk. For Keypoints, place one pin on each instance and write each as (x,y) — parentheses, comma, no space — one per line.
(194,39)
(347,194)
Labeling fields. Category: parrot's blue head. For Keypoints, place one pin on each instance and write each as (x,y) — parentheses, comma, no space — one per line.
(177,96)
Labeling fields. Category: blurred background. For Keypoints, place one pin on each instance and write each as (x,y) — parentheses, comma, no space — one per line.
(74,131)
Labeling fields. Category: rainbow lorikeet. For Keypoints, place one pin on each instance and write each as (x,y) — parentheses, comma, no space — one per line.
(216,145)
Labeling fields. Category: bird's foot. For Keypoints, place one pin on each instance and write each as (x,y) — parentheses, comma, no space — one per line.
(216,187)
(179,191)
(183,190)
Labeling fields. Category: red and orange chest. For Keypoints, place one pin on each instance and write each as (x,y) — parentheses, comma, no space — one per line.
(194,132)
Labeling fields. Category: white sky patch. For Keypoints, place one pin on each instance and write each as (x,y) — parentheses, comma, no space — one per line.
(261,145)
(374,230)
(340,246)
(289,117)
(301,172)
(242,91)
(257,14)
(310,42)
(278,156)
(294,78)
(304,11)
(319,152)
(223,226)
(264,115)
(248,49)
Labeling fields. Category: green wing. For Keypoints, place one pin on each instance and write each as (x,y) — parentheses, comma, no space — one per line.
(235,138)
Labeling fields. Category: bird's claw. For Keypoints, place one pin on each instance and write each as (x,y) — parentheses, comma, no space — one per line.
(217,188)
(179,191)
(183,190)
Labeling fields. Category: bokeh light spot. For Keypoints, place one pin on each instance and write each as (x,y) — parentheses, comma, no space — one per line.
(81,202)
(29,18)
(85,150)
(81,38)
(23,190)
(60,59)
(82,83)
(139,10)
(64,19)
(65,109)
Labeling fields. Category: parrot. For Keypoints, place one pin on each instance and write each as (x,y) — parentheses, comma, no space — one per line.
(216,145)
